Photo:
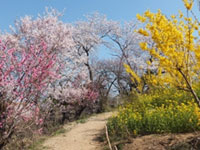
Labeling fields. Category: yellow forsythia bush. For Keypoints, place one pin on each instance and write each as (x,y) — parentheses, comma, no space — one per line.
(175,50)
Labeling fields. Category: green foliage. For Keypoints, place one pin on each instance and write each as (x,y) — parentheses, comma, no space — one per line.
(59,131)
(82,120)
(37,145)
(160,111)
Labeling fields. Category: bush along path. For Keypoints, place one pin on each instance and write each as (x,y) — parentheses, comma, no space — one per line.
(80,136)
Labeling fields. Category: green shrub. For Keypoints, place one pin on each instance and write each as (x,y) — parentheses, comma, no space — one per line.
(156,113)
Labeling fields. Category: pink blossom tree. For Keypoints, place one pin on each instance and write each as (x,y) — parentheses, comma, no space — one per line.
(54,32)
(61,38)
(58,38)
(75,96)
(24,75)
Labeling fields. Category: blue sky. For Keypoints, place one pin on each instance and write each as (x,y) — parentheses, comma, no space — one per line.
(119,10)
(122,10)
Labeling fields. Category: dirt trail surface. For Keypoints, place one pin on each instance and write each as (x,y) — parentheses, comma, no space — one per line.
(80,136)
(163,142)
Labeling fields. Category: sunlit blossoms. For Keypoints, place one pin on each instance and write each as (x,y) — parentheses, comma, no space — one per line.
(25,74)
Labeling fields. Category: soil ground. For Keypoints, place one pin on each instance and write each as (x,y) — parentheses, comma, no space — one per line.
(81,136)
(162,142)
(84,136)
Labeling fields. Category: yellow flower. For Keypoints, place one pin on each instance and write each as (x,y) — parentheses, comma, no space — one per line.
(134,132)
(141,18)
(154,81)
(173,16)
(143,32)
(143,45)
(134,77)
(189,4)
(180,14)
(174,47)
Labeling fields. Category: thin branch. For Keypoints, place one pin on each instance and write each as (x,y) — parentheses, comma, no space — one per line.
(115,147)
(107,137)
(190,87)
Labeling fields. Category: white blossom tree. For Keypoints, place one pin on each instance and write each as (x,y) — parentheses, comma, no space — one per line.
(89,35)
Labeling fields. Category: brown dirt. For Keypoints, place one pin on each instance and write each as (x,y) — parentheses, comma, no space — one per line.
(80,136)
(83,136)
(158,142)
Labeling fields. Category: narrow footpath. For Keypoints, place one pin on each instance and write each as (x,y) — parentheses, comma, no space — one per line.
(81,136)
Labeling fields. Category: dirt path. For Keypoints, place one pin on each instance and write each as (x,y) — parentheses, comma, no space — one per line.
(80,136)
(163,142)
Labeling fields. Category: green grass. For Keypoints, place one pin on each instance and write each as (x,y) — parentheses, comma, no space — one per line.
(82,120)
(59,131)
(37,145)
